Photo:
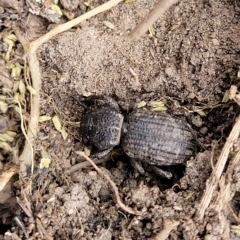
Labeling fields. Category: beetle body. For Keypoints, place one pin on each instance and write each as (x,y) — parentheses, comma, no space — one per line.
(157,138)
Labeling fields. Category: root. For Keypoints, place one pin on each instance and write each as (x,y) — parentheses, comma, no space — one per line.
(82,165)
(27,158)
(113,185)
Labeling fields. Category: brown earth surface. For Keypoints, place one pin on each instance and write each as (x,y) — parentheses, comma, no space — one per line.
(189,61)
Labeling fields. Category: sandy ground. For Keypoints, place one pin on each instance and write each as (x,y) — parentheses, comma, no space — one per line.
(189,61)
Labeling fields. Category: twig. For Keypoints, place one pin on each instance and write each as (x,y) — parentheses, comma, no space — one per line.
(161,7)
(212,182)
(113,185)
(26,138)
(85,164)
(20,224)
(64,27)
(30,49)
(42,229)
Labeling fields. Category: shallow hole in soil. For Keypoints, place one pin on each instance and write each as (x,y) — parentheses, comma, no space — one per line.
(123,164)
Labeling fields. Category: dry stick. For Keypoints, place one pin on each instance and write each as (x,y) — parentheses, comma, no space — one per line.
(217,172)
(26,158)
(225,187)
(21,225)
(64,27)
(161,7)
(85,164)
(113,185)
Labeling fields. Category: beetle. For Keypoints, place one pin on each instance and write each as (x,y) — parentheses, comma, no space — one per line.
(146,136)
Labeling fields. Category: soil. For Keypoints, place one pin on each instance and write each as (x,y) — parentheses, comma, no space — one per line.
(189,62)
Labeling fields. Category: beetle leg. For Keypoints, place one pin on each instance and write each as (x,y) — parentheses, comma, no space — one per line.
(138,166)
(162,173)
(99,155)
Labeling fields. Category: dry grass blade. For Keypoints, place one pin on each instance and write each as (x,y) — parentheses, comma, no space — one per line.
(161,7)
(26,158)
(213,181)
(26,209)
(42,230)
(113,185)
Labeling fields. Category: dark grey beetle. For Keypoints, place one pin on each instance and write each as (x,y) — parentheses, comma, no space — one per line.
(146,136)
(101,124)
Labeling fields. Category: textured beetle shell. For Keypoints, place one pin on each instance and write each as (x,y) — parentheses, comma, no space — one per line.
(157,138)
(101,127)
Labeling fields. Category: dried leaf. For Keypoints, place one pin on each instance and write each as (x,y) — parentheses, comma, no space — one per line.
(156,104)
(152,31)
(6,138)
(5,80)
(15,86)
(16,96)
(11,133)
(163,108)
(6,147)
(21,97)
(57,123)
(6,90)
(141,104)
(3,107)
(44,118)
(17,109)
(56,8)
(11,37)
(6,176)
(22,87)
(109,24)
(225,97)
(74,124)
(45,162)
(200,112)
(64,133)
(236,229)
(10,65)
(10,41)
(87,151)
(31,90)
(232,92)
(16,71)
